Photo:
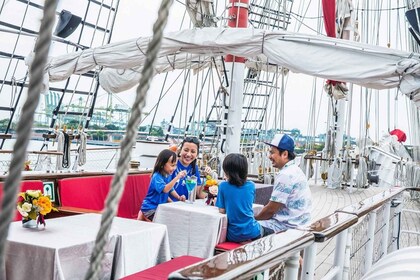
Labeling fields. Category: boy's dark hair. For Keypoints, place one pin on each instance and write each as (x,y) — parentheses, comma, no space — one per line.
(290,155)
(162,159)
(193,140)
(235,167)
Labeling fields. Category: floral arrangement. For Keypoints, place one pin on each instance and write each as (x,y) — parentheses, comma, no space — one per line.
(211,187)
(34,205)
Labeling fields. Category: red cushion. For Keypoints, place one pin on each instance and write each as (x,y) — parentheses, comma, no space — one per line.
(227,246)
(26,185)
(91,192)
(135,191)
(162,271)
(84,192)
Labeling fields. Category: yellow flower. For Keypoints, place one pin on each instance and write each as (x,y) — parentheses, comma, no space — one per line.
(211,182)
(44,205)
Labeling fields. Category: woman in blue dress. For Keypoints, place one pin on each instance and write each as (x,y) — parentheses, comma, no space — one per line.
(187,161)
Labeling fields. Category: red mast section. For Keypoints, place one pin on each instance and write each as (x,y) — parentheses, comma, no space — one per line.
(238,18)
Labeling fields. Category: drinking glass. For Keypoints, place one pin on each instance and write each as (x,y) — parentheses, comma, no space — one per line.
(191,183)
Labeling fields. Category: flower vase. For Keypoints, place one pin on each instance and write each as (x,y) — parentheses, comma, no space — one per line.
(29,223)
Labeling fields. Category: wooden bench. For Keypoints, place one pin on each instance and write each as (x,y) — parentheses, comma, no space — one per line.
(87,194)
(162,271)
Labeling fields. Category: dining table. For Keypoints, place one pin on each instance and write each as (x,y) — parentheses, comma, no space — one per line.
(62,249)
(194,229)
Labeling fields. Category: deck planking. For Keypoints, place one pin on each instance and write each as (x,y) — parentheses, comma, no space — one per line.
(326,201)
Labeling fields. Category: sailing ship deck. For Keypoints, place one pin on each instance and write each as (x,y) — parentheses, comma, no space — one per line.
(326,201)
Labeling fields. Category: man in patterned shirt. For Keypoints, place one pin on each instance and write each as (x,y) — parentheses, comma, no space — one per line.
(291,201)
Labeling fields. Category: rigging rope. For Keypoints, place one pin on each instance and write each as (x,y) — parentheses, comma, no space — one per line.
(120,176)
(66,150)
(24,127)
(361,178)
(81,160)
(60,148)
(335,174)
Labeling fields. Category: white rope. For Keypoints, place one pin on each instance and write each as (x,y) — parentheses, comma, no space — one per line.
(399,172)
(24,127)
(120,176)
(60,148)
(361,178)
(334,178)
(347,168)
(413,174)
(81,160)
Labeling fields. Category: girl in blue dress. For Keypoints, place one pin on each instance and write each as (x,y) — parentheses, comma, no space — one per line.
(161,185)
(235,198)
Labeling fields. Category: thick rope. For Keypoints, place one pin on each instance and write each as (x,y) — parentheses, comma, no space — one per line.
(25,124)
(120,176)
(82,148)
(60,148)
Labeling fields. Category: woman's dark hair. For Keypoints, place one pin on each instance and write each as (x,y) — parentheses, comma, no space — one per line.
(235,167)
(162,159)
(193,140)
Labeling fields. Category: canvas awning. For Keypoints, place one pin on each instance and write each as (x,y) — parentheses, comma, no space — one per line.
(328,58)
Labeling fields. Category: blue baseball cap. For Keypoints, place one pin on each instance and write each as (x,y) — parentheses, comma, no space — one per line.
(283,142)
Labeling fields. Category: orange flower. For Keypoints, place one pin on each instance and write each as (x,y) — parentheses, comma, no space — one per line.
(44,204)
(211,182)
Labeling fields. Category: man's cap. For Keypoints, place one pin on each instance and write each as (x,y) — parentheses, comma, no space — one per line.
(283,142)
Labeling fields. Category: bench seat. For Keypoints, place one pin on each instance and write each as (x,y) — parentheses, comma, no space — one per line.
(226,246)
(88,194)
(162,271)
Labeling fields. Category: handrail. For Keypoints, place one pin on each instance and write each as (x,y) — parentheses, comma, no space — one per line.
(331,225)
(248,259)
(35,152)
(365,206)
(54,152)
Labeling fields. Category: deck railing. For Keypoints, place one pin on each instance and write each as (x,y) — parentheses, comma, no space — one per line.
(363,234)
(100,158)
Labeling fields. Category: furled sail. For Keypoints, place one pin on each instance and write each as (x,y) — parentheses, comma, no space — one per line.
(329,58)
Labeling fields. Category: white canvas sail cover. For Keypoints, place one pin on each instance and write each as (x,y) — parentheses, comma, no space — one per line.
(328,58)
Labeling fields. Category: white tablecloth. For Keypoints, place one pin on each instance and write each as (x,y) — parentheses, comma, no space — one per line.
(62,250)
(194,229)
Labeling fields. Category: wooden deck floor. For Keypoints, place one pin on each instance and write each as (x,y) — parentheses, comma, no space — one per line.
(326,201)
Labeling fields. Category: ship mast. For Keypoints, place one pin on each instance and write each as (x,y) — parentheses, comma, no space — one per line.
(235,66)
